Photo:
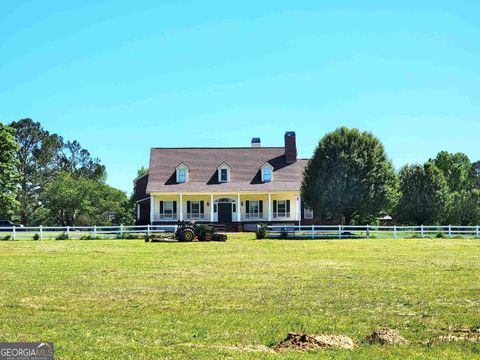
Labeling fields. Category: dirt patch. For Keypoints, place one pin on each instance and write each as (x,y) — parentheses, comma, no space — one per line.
(458,335)
(305,342)
(386,336)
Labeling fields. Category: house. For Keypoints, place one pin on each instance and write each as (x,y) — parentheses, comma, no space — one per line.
(241,186)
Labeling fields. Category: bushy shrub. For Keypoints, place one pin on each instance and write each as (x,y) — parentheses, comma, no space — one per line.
(62,236)
(261,231)
(6,237)
(36,237)
(440,235)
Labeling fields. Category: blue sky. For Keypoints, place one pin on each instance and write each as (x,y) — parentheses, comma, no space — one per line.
(124,76)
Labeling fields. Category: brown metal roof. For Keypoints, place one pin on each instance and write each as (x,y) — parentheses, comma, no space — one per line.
(245,164)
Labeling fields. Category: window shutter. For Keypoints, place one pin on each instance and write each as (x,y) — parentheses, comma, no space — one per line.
(234,207)
(189,206)
(274,206)
(260,206)
(202,207)
(288,206)
(174,207)
(247,207)
(161,207)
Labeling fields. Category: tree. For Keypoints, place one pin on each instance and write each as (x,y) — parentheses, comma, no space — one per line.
(72,202)
(142,171)
(458,171)
(8,175)
(465,209)
(424,195)
(37,163)
(78,162)
(349,177)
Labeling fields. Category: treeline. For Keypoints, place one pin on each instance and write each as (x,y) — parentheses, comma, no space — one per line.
(47,180)
(350,180)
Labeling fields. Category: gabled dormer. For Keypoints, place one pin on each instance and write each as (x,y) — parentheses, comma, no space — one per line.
(267,172)
(224,173)
(182,173)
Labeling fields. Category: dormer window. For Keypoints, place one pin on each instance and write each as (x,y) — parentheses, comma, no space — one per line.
(223,173)
(267,172)
(182,173)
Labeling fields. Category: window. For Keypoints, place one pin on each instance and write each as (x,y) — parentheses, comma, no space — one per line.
(253,207)
(195,210)
(267,174)
(224,175)
(307,213)
(168,208)
(281,207)
(182,175)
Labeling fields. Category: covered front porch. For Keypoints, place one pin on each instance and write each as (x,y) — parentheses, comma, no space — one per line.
(225,207)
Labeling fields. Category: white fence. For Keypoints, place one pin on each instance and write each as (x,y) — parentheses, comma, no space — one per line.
(83,232)
(369,231)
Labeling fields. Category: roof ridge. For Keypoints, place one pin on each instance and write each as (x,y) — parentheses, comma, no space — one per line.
(213,147)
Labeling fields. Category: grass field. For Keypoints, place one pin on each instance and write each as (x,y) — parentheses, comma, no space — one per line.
(124,299)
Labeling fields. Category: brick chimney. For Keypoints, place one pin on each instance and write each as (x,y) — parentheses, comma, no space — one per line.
(290,147)
(256,142)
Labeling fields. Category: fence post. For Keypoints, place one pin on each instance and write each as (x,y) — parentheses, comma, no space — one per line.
(148,229)
(121,230)
(68,232)
(95,231)
(313,231)
(421,230)
(394,231)
(449,231)
(41,232)
(339,231)
(14,233)
(368,231)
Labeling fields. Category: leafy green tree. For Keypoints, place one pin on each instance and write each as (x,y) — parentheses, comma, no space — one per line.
(71,202)
(458,170)
(142,171)
(349,178)
(8,175)
(424,195)
(465,209)
(37,163)
(77,161)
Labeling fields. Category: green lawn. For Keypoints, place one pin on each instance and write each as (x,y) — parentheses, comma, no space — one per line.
(123,299)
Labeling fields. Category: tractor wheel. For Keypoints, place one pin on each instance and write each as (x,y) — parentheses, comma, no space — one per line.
(188,235)
(208,237)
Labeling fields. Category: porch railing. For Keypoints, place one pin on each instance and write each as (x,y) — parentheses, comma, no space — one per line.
(197,216)
(281,215)
(165,217)
(254,216)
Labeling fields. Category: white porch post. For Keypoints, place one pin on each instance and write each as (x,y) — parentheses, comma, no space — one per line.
(239,208)
(299,208)
(180,207)
(211,207)
(270,207)
(152,209)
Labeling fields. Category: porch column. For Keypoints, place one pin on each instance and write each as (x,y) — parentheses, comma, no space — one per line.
(239,208)
(211,207)
(299,208)
(180,207)
(270,207)
(152,209)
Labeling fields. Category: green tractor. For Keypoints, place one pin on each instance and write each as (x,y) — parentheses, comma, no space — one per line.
(187,232)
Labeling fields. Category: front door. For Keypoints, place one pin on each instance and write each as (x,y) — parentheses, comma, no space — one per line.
(224,212)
